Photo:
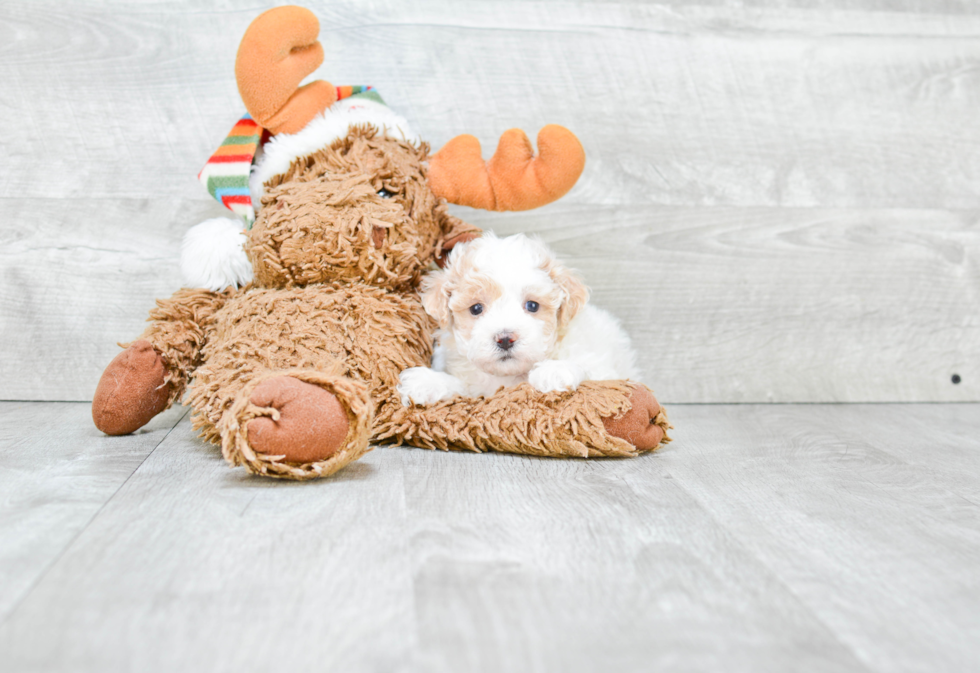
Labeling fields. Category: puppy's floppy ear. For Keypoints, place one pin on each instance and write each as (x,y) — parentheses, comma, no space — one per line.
(454,232)
(436,289)
(575,293)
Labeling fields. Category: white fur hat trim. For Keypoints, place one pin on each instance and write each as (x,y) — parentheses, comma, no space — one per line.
(330,125)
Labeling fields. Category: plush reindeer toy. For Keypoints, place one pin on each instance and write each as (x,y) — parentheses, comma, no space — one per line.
(294,340)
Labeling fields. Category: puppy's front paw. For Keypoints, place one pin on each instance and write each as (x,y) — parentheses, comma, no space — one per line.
(421,385)
(551,375)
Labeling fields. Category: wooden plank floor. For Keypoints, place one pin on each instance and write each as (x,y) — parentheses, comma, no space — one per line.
(766,538)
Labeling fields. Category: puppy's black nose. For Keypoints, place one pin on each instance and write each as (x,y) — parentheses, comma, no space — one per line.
(506,341)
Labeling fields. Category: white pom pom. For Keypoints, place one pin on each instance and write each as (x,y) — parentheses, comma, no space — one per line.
(213,255)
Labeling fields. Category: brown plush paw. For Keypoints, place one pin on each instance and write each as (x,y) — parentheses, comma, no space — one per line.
(638,425)
(131,390)
(312,424)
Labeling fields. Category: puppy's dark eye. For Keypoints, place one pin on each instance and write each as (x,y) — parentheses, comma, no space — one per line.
(384,193)
(531,306)
(476,309)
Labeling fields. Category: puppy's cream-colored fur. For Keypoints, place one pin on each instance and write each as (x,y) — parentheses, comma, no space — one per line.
(509,312)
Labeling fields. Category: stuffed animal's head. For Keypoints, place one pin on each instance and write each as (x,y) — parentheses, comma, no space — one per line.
(357,209)
(345,190)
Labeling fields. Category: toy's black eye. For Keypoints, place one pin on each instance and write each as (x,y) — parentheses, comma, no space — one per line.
(531,306)
(476,309)
(384,193)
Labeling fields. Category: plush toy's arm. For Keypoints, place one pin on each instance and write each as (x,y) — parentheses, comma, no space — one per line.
(178,331)
(153,371)
(600,418)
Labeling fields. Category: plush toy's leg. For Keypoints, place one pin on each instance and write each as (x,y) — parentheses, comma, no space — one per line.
(298,424)
(601,418)
(152,372)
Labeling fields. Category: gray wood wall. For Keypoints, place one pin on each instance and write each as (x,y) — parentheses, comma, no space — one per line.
(781,199)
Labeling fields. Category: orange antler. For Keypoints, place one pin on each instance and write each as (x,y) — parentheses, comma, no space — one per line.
(277,51)
(513,179)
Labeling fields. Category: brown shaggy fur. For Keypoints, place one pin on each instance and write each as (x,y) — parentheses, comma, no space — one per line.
(319,218)
(519,420)
(339,249)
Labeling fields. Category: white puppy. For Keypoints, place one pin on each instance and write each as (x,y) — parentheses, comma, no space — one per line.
(508,312)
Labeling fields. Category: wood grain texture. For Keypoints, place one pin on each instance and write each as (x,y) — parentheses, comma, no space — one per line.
(714,119)
(56,472)
(200,567)
(844,507)
(766,538)
(683,104)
